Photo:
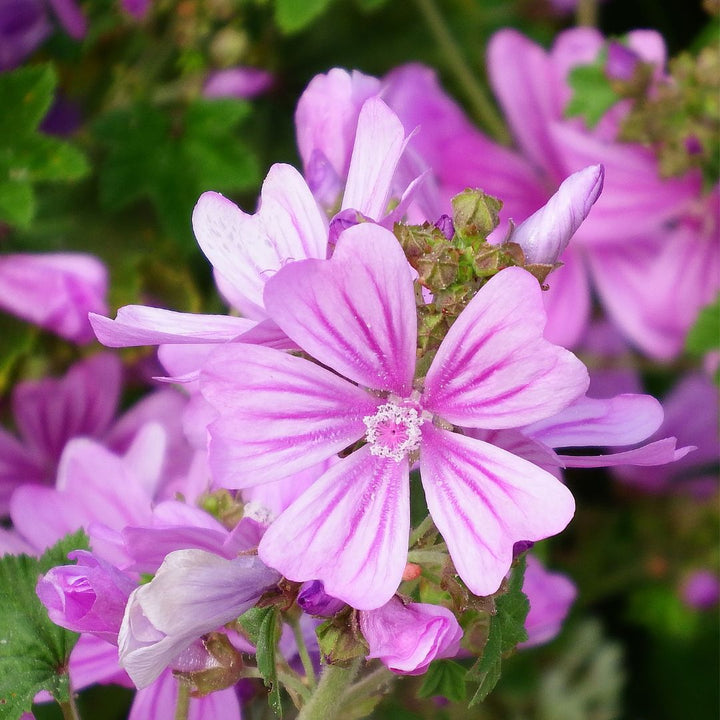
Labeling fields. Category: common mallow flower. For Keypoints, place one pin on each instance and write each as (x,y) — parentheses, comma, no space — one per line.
(407,638)
(355,314)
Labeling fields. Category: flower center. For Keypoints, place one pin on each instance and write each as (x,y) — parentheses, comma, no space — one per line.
(393,431)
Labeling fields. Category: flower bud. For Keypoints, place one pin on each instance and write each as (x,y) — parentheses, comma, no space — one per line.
(313,600)
(87,597)
(407,638)
(547,232)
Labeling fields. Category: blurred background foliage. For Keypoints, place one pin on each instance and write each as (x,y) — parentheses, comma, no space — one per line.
(115,169)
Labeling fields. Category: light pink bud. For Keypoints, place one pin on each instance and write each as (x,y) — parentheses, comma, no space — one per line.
(547,232)
(407,638)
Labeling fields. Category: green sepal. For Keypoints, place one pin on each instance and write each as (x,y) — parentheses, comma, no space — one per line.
(340,641)
(507,629)
(225,672)
(263,627)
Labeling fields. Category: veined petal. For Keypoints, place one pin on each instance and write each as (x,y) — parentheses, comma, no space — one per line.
(379,143)
(621,420)
(483,500)
(659,452)
(279,414)
(494,369)
(141,325)
(355,312)
(247,249)
(350,529)
(547,232)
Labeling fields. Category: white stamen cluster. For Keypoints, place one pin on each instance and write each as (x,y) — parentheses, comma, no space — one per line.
(408,422)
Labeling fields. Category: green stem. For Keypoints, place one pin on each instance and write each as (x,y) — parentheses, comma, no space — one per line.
(334,681)
(303,652)
(182,709)
(293,684)
(479,100)
(69,708)
(369,685)
(421,530)
(587,13)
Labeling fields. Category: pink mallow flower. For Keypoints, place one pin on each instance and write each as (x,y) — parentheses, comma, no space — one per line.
(237,82)
(55,291)
(193,593)
(550,595)
(407,638)
(280,414)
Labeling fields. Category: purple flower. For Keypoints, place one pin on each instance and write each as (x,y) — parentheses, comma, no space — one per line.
(238,82)
(55,291)
(313,600)
(550,595)
(701,589)
(87,597)
(407,638)
(279,414)
(23,27)
(193,593)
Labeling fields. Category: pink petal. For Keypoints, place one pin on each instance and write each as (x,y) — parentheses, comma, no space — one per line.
(248,249)
(54,290)
(354,313)
(237,82)
(483,500)
(279,414)
(326,121)
(94,660)
(18,465)
(659,452)
(350,530)
(567,302)
(494,369)
(379,143)
(522,77)
(51,411)
(140,325)
(622,420)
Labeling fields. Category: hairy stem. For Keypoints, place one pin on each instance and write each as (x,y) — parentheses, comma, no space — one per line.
(69,708)
(182,709)
(334,683)
(478,98)
(303,652)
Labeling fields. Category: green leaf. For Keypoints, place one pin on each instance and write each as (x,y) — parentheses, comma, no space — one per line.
(18,339)
(592,92)
(171,160)
(17,202)
(446,678)
(26,155)
(34,652)
(704,336)
(263,628)
(507,629)
(294,15)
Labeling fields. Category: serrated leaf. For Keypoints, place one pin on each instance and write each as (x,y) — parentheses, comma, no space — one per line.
(34,652)
(507,629)
(263,628)
(445,678)
(592,92)
(294,15)
(704,335)
(27,155)
(171,161)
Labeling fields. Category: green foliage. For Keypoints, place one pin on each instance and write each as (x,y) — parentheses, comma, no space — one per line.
(446,678)
(26,155)
(592,91)
(34,652)
(263,627)
(18,340)
(507,629)
(704,336)
(171,161)
(294,15)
